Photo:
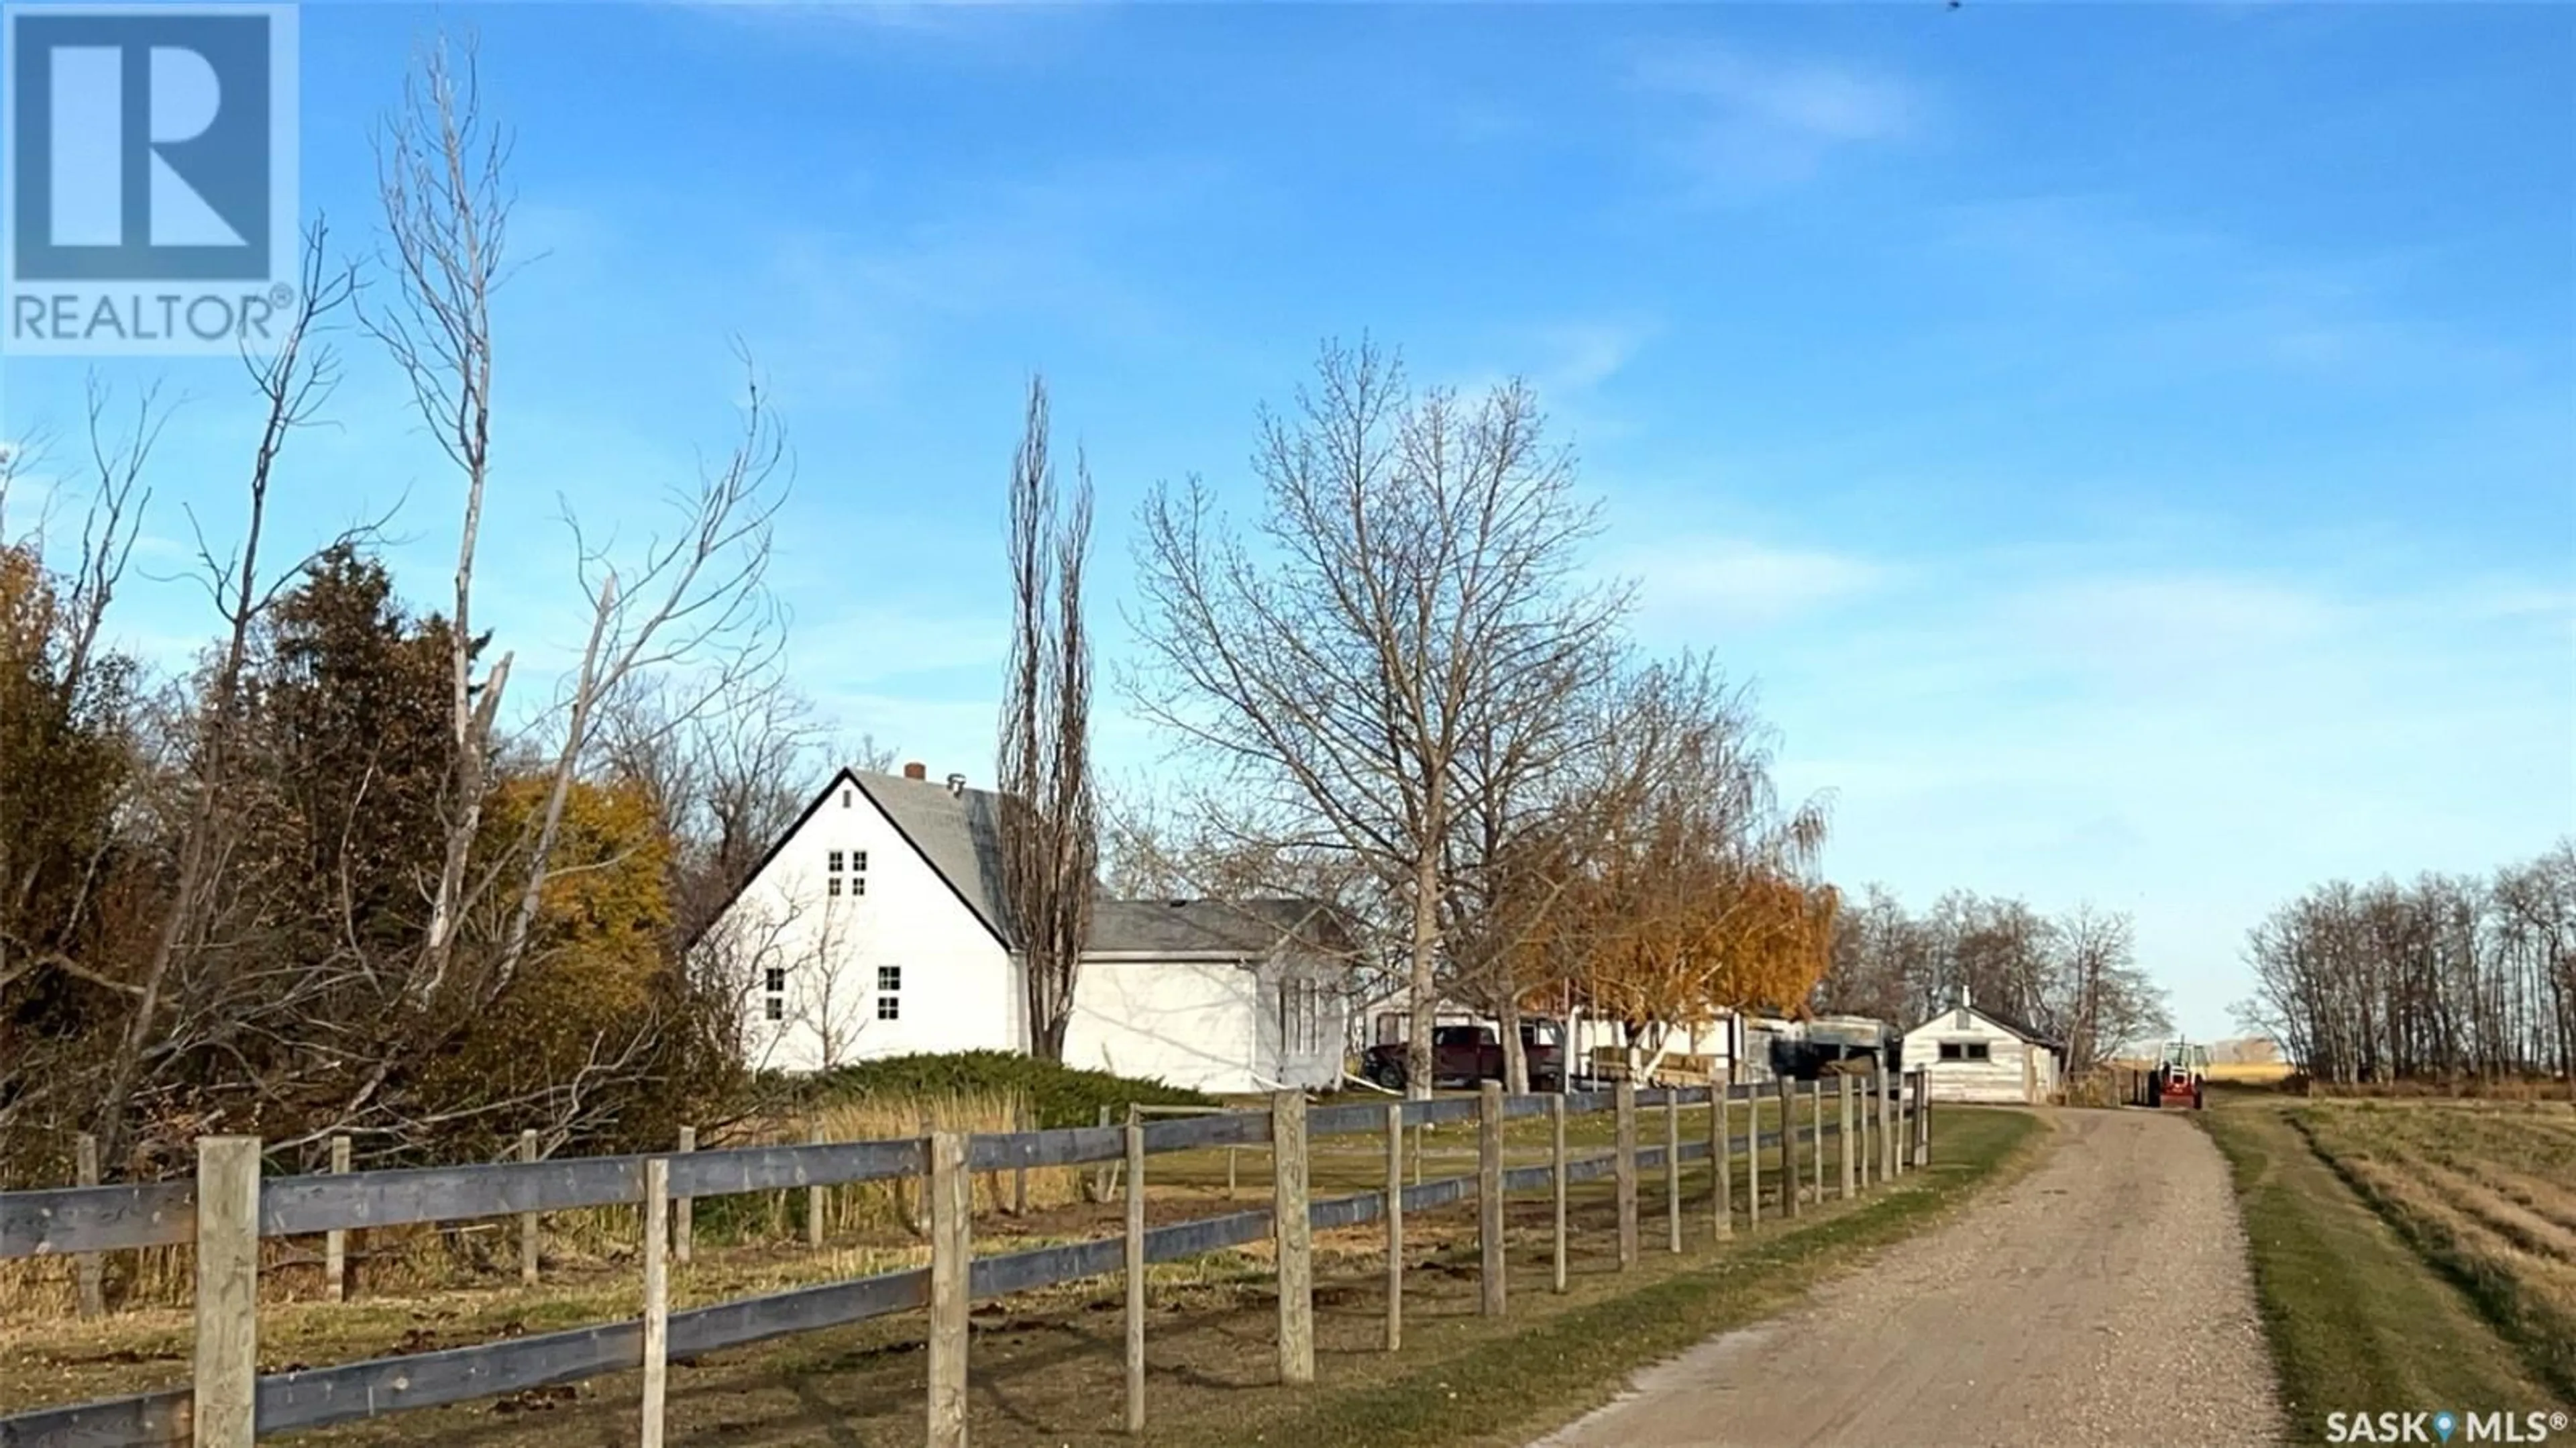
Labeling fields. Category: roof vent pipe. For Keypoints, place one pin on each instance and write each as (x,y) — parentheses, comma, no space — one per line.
(957,785)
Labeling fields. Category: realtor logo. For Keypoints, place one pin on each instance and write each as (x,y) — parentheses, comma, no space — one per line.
(151,175)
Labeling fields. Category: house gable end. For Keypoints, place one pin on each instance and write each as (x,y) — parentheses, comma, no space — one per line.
(956,890)
(844,776)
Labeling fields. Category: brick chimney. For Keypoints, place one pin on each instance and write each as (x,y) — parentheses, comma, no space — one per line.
(916,770)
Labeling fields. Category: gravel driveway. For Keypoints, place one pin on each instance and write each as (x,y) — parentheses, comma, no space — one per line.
(2101,1300)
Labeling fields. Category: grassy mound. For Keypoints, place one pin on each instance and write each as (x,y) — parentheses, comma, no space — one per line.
(1060,1095)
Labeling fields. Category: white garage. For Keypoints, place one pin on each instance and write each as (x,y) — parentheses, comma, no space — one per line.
(1976,1055)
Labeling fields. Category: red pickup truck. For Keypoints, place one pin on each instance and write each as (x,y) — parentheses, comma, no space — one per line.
(1465,1055)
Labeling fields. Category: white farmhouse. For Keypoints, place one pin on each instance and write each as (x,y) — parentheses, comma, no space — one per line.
(1970,1053)
(876,927)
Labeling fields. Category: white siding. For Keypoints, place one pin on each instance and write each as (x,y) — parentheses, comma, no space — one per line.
(1188,1024)
(959,988)
(2015,1071)
(1208,1025)
(1303,1022)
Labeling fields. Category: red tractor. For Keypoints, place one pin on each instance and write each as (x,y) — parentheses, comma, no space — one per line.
(2181,1078)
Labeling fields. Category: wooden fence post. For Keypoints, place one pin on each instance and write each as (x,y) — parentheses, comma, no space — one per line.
(1896,1125)
(1022,1119)
(1557,1184)
(1753,1158)
(1905,1124)
(1395,1227)
(657,1296)
(952,1256)
(335,1243)
(683,1216)
(1886,1127)
(1923,1114)
(1721,1157)
(227,1353)
(1914,1130)
(1295,1236)
(916,1189)
(1873,1164)
(1135,1276)
(814,1194)
(1816,1157)
(1673,1168)
(85,1267)
(1100,1176)
(528,1220)
(1843,1095)
(1490,1267)
(1626,1171)
(1788,1094)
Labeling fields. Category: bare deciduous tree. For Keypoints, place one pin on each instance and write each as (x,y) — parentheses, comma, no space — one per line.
(293,382)
(440,179)
(1049,818)
(2449,976)
(1412,566)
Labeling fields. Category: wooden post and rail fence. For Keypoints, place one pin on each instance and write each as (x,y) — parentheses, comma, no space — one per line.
(229,1207)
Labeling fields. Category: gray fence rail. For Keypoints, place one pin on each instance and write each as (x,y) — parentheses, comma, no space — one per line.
(108,1218)
(69,1220)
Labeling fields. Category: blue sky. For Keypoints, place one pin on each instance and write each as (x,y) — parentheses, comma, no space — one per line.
(2133,447)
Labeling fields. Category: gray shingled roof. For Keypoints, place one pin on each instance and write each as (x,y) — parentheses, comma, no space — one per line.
(1193,927)
(960,836)
(2009,1022)
(957,833)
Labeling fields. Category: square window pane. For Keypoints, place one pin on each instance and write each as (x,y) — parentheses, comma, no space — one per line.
(889,977)
(777,1009)
(832,886)
(775,978)
(889,1008)
(836,862)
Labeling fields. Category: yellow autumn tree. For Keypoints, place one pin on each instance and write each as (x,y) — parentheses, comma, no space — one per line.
(594,994)
(1698,896)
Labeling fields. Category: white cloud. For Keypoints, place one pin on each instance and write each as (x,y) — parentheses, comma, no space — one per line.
(1768,120)
(1823,102)
(1695,584)
(1584,355)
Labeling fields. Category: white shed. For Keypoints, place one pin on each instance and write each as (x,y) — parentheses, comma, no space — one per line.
(1973,1054)
(1221,996)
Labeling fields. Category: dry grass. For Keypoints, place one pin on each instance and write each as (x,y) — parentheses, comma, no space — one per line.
(2485,1190)
(2458,1088)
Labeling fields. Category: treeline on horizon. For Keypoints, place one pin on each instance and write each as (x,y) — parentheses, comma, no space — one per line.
(2445,976)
